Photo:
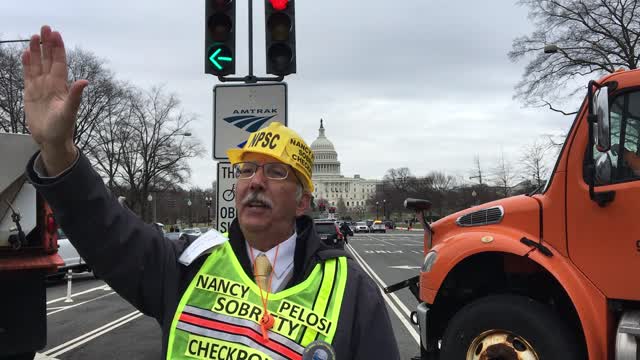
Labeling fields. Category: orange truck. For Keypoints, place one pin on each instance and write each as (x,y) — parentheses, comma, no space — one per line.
(550,275)
(28,252)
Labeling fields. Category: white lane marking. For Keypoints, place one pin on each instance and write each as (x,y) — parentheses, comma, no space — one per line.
(43,357)
(63,308)
(405,267)
(379,239)
(74,343)
(394,296)
(373,275)
(103,287)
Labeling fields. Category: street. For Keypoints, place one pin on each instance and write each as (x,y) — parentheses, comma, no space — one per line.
(100,324)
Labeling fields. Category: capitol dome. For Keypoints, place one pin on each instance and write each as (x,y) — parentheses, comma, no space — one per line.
(326,158)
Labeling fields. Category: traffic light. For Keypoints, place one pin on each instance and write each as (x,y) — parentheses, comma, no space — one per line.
(280,36)
(220,37)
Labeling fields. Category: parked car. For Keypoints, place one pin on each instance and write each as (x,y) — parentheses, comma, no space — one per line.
(181,236)
(329,232)
(193,231)
(378,226)
(390,224)
(72,260)
(361,226)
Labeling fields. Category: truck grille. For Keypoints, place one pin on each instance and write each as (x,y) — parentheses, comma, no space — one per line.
(492,215)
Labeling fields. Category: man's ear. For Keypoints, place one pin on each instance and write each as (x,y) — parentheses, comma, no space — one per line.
(303,204)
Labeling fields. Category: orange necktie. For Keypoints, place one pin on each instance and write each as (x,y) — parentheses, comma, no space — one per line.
(262,271)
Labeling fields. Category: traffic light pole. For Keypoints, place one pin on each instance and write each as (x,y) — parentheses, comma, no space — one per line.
(250,79)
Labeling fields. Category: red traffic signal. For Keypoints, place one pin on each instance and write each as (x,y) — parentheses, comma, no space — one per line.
(279,4)
(280,39)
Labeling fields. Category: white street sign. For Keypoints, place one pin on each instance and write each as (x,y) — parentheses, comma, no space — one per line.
(242,109)
(226,190)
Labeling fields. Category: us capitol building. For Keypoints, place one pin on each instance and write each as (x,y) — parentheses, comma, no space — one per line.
(330,184)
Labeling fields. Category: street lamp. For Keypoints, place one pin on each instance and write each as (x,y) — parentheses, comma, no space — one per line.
(384,209)
(208,200)
(377,210)
(474,194)
(149,199)
(189,204)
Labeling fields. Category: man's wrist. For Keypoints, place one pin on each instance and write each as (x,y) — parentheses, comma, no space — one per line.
(58,158)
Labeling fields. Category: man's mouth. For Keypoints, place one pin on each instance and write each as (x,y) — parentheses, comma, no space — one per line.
(258,204)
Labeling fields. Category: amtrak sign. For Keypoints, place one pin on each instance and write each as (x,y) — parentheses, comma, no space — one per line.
(239,110)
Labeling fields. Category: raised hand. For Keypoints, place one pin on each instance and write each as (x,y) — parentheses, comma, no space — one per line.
(51,106)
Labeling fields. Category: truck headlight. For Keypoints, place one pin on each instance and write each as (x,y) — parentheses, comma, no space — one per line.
(429,260)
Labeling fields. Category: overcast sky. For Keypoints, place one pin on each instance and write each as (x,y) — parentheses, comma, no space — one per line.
(416,83)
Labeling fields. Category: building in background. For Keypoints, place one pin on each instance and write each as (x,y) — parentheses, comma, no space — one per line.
(330,185)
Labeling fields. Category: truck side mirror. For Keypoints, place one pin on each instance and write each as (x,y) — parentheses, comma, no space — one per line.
(602,135)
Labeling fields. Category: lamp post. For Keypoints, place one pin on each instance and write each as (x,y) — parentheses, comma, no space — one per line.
(189,205)
(474,194)
(384,209)
(151,198)
(208,200)
(377,210)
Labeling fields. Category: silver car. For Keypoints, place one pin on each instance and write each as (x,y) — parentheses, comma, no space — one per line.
(72,260)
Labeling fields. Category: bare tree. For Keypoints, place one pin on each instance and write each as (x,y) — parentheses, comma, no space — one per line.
(11,88)
(593,37)
(98,100)
(111,137)
(504,175)
(477,171)
(155,149)
(400,179)
(534,164)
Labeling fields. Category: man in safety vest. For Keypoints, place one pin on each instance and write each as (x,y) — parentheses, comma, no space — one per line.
(269,289)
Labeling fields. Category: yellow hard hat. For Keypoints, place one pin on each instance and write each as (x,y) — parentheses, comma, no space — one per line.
(282,143)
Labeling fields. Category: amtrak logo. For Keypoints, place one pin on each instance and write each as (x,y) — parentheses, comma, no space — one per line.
(250,123)
(251,120)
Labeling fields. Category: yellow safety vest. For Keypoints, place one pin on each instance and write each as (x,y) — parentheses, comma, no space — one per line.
(219,314)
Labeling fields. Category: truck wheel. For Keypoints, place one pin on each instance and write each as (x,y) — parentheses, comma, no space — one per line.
(505,327)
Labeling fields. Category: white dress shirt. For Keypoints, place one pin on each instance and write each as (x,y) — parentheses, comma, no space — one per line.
(283,269)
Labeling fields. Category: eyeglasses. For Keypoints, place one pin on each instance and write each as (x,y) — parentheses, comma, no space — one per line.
(273,171)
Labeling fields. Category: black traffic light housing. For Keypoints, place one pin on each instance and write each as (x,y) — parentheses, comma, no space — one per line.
(280,36)
(220,37)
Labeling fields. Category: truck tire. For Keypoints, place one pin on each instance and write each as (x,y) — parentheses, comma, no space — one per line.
(505,326)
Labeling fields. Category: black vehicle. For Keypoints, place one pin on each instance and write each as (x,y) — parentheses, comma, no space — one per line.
(329,232)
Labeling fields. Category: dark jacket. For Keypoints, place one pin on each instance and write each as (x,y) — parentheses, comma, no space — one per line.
(142,266)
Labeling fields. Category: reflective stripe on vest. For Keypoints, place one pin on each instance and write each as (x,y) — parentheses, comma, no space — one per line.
(219,313)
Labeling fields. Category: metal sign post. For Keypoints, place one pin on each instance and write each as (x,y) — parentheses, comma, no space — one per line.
(240,110)
(226,193)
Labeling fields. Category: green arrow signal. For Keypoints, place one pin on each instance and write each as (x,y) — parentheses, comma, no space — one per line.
(213,58)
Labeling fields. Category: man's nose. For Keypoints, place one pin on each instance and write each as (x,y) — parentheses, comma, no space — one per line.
(259,179)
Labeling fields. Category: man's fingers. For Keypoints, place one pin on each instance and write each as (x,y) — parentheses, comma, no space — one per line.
(73,100)
(36,56)
(26,65)
(59,56)
(47,56)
